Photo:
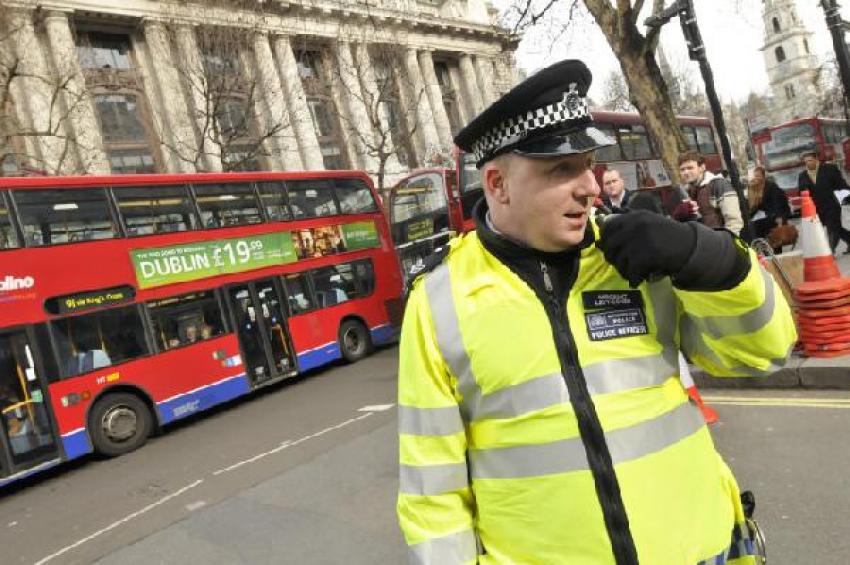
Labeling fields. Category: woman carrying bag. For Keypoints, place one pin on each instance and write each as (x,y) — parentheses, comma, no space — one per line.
(769,208)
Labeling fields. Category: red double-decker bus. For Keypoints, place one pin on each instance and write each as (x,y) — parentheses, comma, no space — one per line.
(780,148)
(430,205)
(129,302)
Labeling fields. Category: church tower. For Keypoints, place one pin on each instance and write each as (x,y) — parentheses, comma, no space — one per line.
(791,66)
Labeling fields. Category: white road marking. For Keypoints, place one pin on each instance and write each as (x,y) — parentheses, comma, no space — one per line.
(257,457)
(123,520)
(12,524)
(376,408)
(777,401)
(196,505)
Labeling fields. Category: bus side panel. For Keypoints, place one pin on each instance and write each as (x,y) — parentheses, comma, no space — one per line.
(180,382)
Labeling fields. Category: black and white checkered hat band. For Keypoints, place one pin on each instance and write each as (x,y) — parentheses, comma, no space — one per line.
(571,108)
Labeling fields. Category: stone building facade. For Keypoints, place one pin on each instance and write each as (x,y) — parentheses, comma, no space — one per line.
(792,67)
(100,87)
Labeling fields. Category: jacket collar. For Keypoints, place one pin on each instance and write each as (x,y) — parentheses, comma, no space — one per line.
(707,177)
(507,248)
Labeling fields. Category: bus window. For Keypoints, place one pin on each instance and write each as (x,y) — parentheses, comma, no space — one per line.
(354,196)
(334,285)
(298,293)
(705,140)
(311,198)
(8,239)
(690,137)
(49,217)
(611,152)
(225,205)
(420,196)
(634,141)
(365,273)
(156,209)
(185,319)
(273,200)
(100,339)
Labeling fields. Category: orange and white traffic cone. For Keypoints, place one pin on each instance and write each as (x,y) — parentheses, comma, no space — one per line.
(708,413)
(823,312)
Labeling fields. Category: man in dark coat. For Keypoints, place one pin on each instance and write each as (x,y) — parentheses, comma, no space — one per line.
(614,196)
(822,180)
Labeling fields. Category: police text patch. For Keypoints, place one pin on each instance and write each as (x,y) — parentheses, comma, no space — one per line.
(615,313)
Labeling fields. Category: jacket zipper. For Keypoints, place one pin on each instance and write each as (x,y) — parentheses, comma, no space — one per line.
(590,429)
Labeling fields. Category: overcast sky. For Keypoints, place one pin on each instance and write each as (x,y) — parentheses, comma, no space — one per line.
(732,30)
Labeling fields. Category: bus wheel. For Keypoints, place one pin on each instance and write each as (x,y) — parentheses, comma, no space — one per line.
(119,423)
(354,340)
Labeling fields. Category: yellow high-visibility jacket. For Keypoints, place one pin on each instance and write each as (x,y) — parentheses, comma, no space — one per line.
(494,469)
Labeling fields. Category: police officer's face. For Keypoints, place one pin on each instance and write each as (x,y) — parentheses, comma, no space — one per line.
(544,202)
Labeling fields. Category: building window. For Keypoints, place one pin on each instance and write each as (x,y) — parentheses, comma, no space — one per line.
(116,87)
(49,217)
(187,319)
(450,98)
(789,92)
(780,54)
(776,27)
(100,339)
(322,108)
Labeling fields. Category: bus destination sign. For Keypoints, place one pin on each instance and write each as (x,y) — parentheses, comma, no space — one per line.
(192,261)
(82,301)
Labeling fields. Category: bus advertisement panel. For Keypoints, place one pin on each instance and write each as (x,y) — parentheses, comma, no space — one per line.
(130,302)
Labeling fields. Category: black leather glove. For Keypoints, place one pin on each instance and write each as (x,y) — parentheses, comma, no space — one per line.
(642,245)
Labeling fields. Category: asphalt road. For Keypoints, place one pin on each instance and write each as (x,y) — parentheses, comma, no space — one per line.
(305,474)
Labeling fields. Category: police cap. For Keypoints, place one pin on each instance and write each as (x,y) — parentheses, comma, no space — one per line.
(544,116)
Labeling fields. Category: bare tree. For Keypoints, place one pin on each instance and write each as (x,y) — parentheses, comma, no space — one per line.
(616,94)
(37,105)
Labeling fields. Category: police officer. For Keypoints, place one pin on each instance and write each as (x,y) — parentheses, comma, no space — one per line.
(541,416)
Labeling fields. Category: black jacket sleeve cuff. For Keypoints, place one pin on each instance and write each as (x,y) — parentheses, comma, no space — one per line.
(719,261)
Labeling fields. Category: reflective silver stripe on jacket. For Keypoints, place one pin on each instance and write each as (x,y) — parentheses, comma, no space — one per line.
(453,549)
(752,321)
(612,375)
(438,288)
(433,479)
(625,444)
(443,421)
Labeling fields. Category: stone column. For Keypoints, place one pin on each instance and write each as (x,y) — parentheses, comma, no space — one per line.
(358,120)
(374,98)
(260,113)
(178,134)
(435,97)
(36,87)
(194,79)
(418,96)
(339,110)
(486,77)
(299,111)
(81,114)
(470,84)
(277,119)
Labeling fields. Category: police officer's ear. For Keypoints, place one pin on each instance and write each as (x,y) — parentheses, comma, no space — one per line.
(493,176)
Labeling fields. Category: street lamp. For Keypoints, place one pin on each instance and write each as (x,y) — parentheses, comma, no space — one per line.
(838,27)
(696,51)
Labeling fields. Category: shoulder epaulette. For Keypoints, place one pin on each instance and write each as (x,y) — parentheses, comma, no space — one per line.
(430,263)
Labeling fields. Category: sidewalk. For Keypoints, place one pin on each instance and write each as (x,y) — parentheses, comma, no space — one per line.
(799,372)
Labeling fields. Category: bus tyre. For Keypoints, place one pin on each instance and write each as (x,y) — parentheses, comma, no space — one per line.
(119,423)
(354,340)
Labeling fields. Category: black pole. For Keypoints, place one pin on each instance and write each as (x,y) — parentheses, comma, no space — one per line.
(696,51)
(837,28)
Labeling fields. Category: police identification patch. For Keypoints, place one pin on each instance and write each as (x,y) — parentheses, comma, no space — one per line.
(614,313)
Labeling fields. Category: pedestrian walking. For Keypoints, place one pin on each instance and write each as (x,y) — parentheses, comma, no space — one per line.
(615,196)
(717,201)
(769,206)
(541,416)
(822,180)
